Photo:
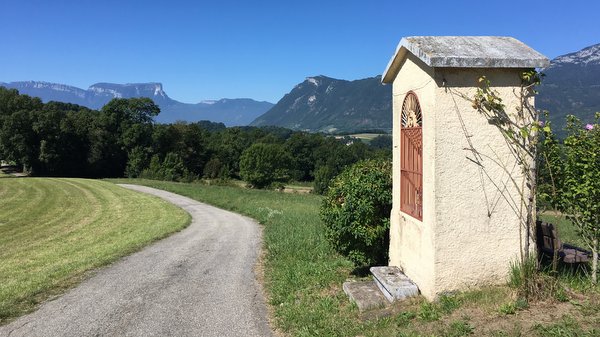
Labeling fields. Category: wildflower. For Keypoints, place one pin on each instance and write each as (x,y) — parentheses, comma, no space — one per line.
(589,127)
(541,123)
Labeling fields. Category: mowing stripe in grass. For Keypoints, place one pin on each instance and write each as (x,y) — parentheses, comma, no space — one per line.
(54,230)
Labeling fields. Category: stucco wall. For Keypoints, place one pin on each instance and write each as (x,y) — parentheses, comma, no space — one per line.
(411,240)
(469,233)
(477,231)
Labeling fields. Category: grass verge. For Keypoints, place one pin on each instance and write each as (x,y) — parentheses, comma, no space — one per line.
(52,231)
(303,278)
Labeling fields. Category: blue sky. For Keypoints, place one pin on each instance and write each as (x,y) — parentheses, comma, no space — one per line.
(257,49)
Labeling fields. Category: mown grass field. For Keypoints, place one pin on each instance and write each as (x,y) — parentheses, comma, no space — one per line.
(365,137)
(53,231)
(303,278)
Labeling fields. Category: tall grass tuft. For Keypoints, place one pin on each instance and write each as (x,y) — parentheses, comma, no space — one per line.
(532,284)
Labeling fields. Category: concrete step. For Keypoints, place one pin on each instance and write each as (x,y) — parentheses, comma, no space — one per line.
(365,294)
(394,285)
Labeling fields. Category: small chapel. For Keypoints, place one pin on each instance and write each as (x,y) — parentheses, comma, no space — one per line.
(452,225)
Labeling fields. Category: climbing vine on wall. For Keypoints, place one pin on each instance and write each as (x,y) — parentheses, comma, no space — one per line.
(522,129)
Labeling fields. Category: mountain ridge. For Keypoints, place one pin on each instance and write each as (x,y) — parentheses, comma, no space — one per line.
(230,111)
(571,86)
(326,104)
(323,104)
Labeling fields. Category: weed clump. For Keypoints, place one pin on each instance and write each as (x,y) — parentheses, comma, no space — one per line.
(531,284)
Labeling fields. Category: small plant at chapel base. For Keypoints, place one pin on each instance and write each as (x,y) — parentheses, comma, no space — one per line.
(356,212)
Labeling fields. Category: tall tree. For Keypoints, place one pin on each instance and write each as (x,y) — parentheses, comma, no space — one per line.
(263,164)
(17,139)
(123,124)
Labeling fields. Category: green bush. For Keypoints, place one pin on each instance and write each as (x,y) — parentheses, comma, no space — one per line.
(138,159)
(323,176)
(356,212)
(264,164)
(213,168)
(171,169)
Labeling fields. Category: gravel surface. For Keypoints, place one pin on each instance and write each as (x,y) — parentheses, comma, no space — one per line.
(198,282)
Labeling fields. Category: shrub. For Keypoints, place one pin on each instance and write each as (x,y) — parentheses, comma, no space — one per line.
(581,185)
(323,176)
(171,168)
(356,212)
(213,168)
(264,164)
(137,160)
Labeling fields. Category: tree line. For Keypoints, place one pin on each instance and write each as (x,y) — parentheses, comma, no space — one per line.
(122,140)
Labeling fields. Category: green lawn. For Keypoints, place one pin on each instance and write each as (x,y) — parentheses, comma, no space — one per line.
(52,231)
(4,175)
(303,278)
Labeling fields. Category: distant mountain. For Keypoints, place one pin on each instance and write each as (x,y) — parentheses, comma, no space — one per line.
(571,86)
(231,112)
(330,105)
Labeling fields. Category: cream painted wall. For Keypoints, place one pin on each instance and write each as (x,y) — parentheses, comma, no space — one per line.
(469,233)
(477,232)
(412,241)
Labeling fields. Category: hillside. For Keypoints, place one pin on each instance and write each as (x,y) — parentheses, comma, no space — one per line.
(330,105)
(572,86)
(324,104)
(231,112)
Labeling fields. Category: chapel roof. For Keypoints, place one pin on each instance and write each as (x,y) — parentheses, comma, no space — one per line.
(465,52)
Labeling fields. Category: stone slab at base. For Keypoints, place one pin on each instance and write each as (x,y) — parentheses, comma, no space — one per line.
(365,294)
(393,283)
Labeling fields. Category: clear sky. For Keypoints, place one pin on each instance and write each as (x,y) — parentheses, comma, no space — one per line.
(257,49)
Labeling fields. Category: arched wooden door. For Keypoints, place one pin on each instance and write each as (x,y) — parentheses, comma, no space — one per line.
(411,140)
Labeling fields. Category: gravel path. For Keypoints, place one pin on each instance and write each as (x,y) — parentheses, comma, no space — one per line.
(198,282)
